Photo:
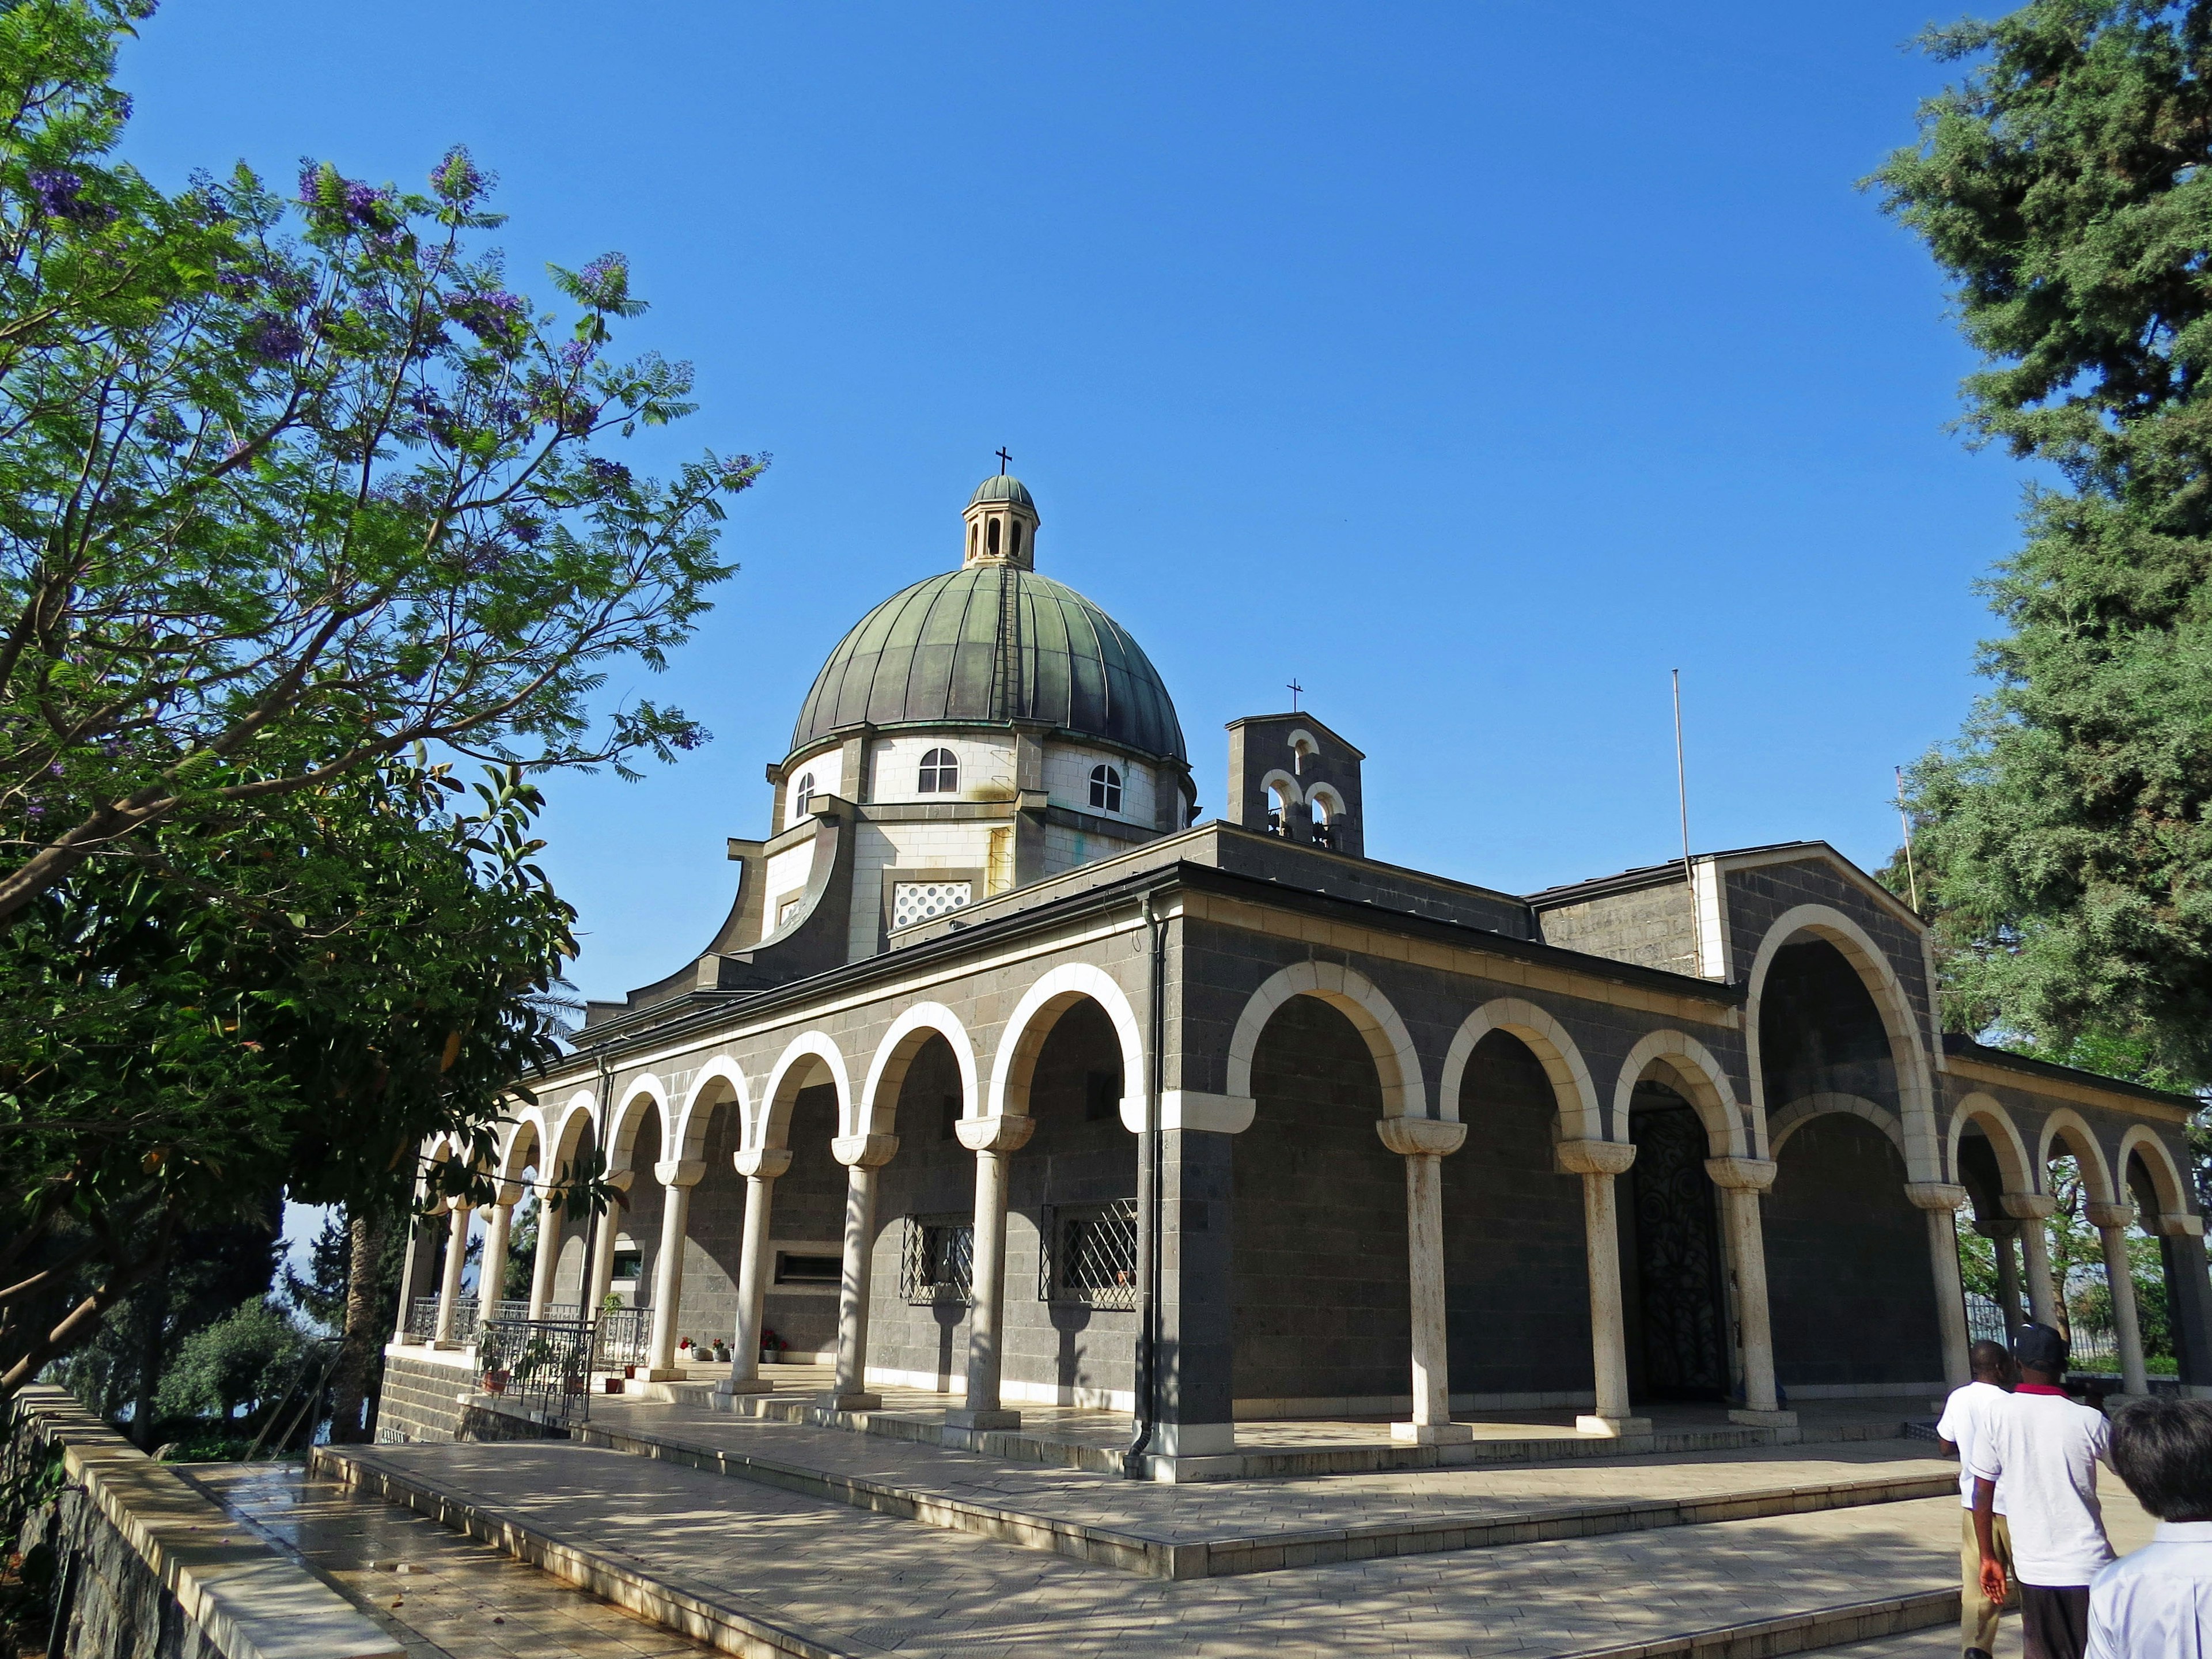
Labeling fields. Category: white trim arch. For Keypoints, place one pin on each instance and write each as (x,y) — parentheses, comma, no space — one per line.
(1355,996)
(1987,1113)
(909,1034)
(771,1125)
(529,1122)
(2066,1126)
(629,1117)
(1327,799)
(2166,1179)
(1572,1089)
(1055,991)
(1915,1081)
(1702,1081)
(1286,787)
(1803,1109)
(723,1079)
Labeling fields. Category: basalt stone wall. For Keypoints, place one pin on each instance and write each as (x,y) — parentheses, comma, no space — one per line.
(714,1236)
(1849,1280)
(417,1401)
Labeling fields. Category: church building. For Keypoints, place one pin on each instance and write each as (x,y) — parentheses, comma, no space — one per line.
(1007,1078)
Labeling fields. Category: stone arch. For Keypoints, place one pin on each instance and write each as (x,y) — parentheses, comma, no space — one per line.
(1915,1083)
(1286,787)
(525,1145)
(1803,1109)
(1032,1021)
(905,1039)
(719,1082)
(1327,799)
(1355,996)
(2004,1137)
(1702,1081)
(812,1057)
(1580,1116)
(645,1094)
(2065,1126)
(2166,1179)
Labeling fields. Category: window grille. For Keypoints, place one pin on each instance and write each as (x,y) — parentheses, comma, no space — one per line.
(940,772)
(1106,788)
(937,1260)
(422,1319)
(1090,1254)
(920,901)
(623,1336)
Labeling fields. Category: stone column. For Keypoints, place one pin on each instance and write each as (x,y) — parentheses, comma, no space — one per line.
(2000,1234)
(414,1270)
(2035,1251)
(2112,1222)
(1598,1162)
(1425,1143)
(1939,1201)
(449,1288)
(862,1157)
(676,1176)
(599,1278)
(493,1273)
(1741,1180)
(760,1166)
(994,1140)
(2188,1300)
(547,1264)
(1197,1290)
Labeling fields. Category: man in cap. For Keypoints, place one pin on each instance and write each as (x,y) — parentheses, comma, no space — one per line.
(1964,1426)
(2045,1449)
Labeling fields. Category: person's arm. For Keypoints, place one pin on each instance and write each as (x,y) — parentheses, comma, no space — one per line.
(1993,1577)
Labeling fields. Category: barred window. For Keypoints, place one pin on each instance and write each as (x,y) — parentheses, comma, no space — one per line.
(921,901)
(936,1261)
(940,772)
(1090,1254)
(1106,788)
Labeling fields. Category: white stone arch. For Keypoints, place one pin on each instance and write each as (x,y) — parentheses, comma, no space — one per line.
(645,1094)
(529,1131)
(1581,1118)
(1915,1082)
(810,1058)
(719,1082)
(1326,797)
(1358,997)
(572,1119)
(1285,787)
(1303,743)
(2165,1178)
(909,1033)
(1988,1113)
(2066,1127)
(1700,1079)
(1056,991)
(1803,1109)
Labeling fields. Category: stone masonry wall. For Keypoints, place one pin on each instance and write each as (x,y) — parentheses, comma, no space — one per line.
(417,1401)
(1650,925)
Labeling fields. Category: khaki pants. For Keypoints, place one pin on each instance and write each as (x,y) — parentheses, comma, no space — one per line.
(1978,1618)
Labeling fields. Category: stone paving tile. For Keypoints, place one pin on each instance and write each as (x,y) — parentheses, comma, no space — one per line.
(1246,1509)
(863,1578)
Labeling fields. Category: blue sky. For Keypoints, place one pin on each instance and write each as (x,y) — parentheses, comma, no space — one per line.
(1475,366)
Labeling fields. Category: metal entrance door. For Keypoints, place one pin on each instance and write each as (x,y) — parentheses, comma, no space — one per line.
(1678,1258)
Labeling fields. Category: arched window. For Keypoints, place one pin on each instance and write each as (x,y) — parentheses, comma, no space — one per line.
(1014,547)
(991,539)
(801,792)
(1106,788)
(940,772)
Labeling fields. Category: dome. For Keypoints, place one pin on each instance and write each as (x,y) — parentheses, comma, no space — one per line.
(986,644)
(999,487)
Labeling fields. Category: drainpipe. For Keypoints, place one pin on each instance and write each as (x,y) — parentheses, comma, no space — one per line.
(1148,1206)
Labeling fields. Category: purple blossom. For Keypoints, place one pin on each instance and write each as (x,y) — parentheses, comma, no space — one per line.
(607,267)
(493,317)
(57,190)
(525,527)
(602,471)
(506,411)
(575,354)
(456,178)
(274,338)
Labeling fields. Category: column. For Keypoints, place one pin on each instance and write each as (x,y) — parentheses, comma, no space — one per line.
(1598,1162)
(994,1140)
(676,1178)
(1195,1359)
(492,1277)
(2035,1252)
(760,1166)
(2188,1300)
(2111,1221)
(414,1270)
(1939,1201)
(862,1157)
(449,1289)
(1425,1143)
(600,1277)
(2000,1234)
(548,1261)
(1741,1180)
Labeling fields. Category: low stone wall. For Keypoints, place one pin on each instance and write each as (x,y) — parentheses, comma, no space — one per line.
(419,1396)
(147,1567)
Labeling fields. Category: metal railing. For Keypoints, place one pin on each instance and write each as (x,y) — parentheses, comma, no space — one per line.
(622,1334)
(1090,1254)
(465,1320)
(511,1309)
(422,1319)
(544,1365)
(1985,1320)
(936,1261)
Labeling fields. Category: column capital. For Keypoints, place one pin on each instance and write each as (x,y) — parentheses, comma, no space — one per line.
(2104,1216)
(2004,1227)
(1590,1157)
(1421,1137)
(1009,1132)
(2177,1226)
(762,1163)
(864,1151)
(622,1179)
(2029,1207)
(1934,1196)
(680,1171)
(1750,1174)
(507,1194)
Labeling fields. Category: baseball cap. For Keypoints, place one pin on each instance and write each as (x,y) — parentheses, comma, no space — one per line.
(2041,1347)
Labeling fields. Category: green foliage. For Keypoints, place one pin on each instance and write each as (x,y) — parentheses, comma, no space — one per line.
(2066,837)
(246,1359)
(521,1257)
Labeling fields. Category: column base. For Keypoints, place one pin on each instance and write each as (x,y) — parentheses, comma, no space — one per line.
(1431,1434)
(859,1400)
(1616,1428)
(744,1385)
(448,1346)
(661,1373)
(1753,1417)
(960,1417)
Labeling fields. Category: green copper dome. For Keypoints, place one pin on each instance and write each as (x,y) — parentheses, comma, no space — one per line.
(999,487)
(986,644)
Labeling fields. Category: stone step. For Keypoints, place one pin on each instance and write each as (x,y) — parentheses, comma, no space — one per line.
(750,1570)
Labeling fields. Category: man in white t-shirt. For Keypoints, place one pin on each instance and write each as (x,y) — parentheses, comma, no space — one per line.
(2156,1603)
(2045,1449)
(1964,1426)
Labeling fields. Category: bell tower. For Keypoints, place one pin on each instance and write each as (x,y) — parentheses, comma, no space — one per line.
(1002,523)
(1290,775)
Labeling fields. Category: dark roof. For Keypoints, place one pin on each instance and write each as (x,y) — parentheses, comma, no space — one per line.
(1649,875)
(1001,487)
(986,645)
(1967,1049)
